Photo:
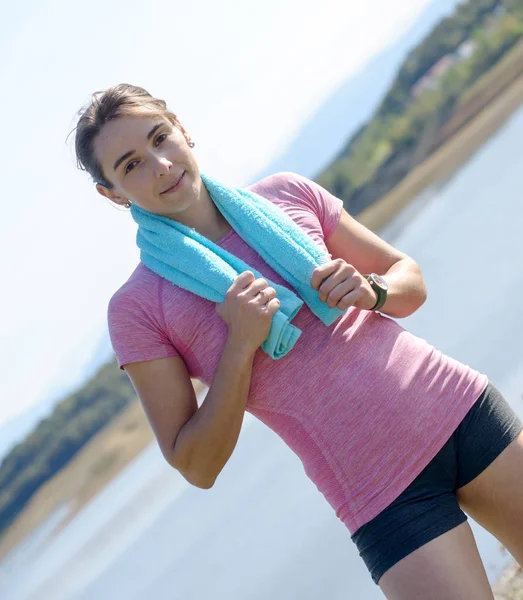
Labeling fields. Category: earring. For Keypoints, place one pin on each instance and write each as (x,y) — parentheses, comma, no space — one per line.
(191,144)
(127,205)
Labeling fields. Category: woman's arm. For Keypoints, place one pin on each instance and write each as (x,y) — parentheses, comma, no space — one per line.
(205,443)
(368,253)
(198,442)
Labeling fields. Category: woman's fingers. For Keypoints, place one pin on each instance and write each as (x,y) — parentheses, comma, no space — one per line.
(344,274)
(273,306)
(266,295)
(344,291)
(349,299)
(256,286)
(321,273)
(248,308)
(258,290)
(337,286)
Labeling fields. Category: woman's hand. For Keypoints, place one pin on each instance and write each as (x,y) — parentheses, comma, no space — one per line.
(247,310)
(339,285)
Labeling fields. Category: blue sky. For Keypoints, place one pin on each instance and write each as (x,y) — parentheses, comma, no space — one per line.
(241,76)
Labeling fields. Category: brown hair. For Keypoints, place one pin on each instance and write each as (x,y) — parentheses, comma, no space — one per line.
(117,101)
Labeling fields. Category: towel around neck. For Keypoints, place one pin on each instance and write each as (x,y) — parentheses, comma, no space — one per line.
(191,261)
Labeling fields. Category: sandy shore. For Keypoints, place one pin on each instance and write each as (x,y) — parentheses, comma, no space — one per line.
(96,465)
(113,448)
(441,165)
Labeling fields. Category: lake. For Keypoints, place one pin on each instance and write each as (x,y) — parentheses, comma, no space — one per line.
(264,531)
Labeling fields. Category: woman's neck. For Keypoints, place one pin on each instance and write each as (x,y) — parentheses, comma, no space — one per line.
(207,219)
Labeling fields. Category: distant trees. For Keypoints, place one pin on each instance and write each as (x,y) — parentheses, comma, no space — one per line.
(424,95)
(57,438)
(444,39)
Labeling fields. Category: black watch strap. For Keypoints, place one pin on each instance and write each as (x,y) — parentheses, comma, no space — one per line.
(381,293)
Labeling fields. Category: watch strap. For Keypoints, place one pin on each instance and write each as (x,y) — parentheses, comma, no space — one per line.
(380,293)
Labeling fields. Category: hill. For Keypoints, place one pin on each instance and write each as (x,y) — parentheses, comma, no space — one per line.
(433,95)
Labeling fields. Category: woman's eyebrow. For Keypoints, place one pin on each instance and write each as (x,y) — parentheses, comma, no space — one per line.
(122,158)
(151,133)
(131,152)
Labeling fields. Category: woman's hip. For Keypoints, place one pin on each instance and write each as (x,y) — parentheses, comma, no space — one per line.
(428,507)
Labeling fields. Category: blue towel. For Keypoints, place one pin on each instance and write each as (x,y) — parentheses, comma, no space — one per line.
(191,261)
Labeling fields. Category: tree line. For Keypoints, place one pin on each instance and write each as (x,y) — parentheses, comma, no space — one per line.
(425,94)
(58,438)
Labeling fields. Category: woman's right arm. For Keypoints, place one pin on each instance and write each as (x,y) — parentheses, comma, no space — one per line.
(199,441)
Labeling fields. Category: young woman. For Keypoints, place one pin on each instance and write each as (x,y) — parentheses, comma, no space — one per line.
(400,438)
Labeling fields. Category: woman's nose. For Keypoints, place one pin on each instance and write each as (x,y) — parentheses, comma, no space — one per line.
(161,166)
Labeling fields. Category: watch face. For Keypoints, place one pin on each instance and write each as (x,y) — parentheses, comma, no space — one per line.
(380,281)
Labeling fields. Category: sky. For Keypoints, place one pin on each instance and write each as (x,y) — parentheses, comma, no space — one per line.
(242,77)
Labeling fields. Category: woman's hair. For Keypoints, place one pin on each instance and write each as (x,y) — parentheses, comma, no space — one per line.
(117,101)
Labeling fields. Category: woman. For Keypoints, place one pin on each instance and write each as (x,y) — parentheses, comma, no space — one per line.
(400,438)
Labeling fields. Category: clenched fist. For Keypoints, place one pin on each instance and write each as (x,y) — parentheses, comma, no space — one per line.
(247,310)
(340,285)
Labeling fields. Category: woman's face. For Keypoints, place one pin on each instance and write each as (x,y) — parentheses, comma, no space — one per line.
(143,157)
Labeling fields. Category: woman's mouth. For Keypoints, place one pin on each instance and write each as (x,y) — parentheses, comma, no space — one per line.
(176,186)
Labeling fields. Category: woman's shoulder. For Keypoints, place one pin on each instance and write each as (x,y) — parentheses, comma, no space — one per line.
(135,319)
(302,198)
(139,290)
(287,187)
(282,184)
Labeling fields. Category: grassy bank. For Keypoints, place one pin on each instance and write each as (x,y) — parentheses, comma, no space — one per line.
(102,459)
(448,159)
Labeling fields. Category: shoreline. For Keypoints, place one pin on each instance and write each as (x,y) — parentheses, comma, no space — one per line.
(113,448)
(95,466)
(443,164)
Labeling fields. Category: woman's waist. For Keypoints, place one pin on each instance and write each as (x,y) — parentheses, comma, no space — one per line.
(377,365)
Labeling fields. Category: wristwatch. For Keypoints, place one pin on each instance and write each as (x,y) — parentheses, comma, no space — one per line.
(379,285)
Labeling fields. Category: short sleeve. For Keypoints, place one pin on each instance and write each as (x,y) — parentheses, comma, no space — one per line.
(135,332)
(325,207)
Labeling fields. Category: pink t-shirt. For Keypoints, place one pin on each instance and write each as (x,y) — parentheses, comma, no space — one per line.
(365,404)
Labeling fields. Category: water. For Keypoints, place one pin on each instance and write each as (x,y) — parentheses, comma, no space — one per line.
(264,531)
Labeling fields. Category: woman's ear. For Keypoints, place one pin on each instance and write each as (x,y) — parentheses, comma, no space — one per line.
(180,127)
(111,194)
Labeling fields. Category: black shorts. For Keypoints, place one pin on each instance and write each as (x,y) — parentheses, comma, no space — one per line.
(429,507)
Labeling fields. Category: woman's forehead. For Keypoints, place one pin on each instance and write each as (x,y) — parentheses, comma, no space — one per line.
(124,134)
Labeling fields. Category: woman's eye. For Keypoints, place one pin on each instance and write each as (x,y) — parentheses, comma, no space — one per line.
(130,166)
(161,138)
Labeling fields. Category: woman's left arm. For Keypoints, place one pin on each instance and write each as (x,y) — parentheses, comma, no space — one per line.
(366,253)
